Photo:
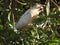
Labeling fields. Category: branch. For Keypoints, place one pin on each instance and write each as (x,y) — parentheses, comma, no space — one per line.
(54,3)
(21,2)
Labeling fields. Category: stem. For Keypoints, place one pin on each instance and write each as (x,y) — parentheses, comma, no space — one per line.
(54,3)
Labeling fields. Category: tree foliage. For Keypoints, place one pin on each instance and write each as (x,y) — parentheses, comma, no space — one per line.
(45,29)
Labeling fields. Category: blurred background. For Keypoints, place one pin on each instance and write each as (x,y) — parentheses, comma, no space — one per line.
(45,29)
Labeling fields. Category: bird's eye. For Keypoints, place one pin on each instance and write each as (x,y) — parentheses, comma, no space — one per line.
(40,8)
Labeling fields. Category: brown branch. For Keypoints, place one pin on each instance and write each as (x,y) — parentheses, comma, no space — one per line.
(54,3)
(21,2)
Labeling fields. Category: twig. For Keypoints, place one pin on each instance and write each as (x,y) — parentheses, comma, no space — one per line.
(10,4)
(11,14)
(21,2)
(54,3)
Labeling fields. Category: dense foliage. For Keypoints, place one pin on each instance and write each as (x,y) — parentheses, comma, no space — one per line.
(45,29)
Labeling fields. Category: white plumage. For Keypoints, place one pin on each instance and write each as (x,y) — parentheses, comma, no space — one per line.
(29,15)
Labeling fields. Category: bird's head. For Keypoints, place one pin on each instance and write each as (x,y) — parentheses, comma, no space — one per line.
(40,7)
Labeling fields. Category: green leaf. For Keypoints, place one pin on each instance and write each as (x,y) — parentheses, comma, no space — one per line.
(9,14)
(0,21)
(1,8)
(48,7)
(55,41)
(1,27)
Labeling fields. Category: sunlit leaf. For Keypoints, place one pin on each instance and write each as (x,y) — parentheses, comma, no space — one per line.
(9,14)
(48,7)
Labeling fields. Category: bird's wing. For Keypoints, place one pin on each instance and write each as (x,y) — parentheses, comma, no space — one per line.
(24,20)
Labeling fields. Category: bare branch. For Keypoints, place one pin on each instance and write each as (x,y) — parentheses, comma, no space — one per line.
(21,2)
(54,3)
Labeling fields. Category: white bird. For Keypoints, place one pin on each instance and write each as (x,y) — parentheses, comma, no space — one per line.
(29,15)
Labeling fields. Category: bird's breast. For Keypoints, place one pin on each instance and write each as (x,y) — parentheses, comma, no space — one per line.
(34,13)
